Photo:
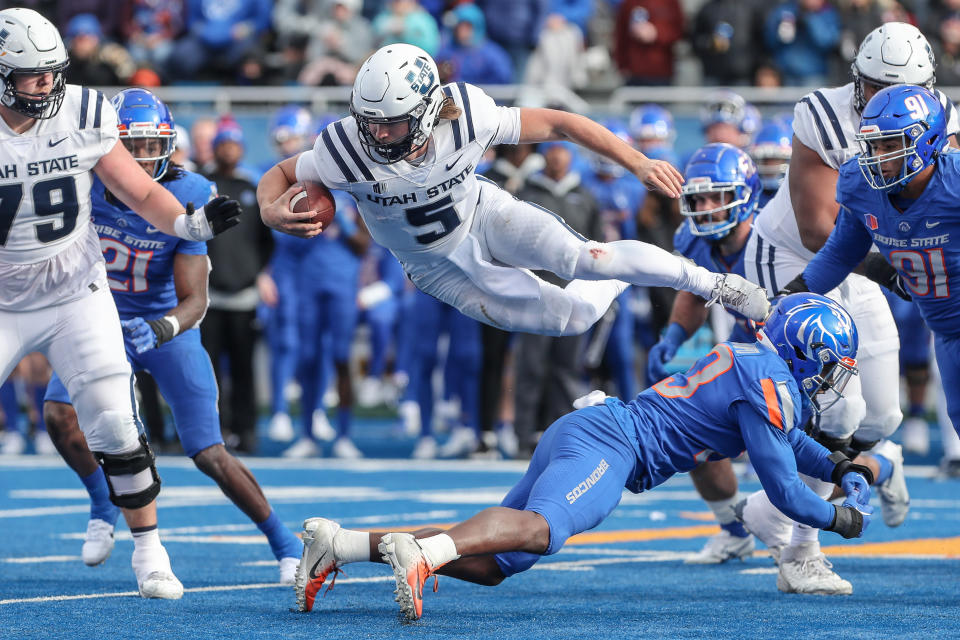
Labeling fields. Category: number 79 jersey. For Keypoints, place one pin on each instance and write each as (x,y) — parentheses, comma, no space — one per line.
(45,176)
(419,212)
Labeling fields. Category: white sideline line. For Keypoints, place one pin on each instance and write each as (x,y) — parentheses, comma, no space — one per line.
(225,587)
(37,559)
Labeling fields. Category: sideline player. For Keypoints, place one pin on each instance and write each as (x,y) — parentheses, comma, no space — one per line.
(720,198)
(794,225)
(408,156)
(159,284)
(54,296)
(739,396)
(901,195)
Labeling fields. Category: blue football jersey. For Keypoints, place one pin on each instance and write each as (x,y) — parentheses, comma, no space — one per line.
(620,200)
(683,412)
(917,241)
(139,256)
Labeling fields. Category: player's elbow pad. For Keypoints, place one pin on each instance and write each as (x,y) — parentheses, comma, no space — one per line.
(847,521)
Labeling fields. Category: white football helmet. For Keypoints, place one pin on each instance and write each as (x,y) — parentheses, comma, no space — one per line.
(893,53)
(398,83)
(29,43)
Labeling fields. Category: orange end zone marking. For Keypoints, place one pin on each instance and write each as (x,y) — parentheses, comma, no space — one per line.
(940,547)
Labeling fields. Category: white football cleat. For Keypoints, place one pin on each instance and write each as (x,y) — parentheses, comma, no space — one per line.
(894,497)
(462,441)
(43,445)
(281,428)
(321,427)
(370,392)
(97,543)
(722,547)
(302,448)
(410,570)
(344,448)
(915,433)
(409,412)
(803,569)
(155,578)
(739,294)
(12,443)
(288,570)
(317,562)
(426,449)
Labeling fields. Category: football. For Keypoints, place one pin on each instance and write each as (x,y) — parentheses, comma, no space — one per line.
(315,197)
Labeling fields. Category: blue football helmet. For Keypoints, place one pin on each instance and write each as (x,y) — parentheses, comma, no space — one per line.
(719,167)
(818,340)
(143,117)
(602,165)
(651,124)
(291,121)
(909,115)
(771,151)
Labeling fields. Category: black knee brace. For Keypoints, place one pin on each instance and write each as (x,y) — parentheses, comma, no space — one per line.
(131,464)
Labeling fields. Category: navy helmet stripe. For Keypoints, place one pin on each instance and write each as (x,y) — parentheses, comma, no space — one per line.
(84,97)
(816,118)
(834,120)
(332,149)
(471,136)
(357,160)
(98,111)
(457,139)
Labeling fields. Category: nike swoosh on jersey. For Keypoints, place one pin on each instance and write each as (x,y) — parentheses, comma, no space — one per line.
(52,143)
(447,167)
(152,229)
(313,569)
(931,225)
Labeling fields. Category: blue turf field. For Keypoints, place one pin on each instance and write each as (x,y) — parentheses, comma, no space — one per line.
(625,579)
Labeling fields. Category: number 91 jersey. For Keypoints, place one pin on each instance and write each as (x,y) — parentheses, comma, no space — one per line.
(45,176)
(419,212)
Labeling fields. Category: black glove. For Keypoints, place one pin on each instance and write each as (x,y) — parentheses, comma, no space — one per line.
(797,285)
(221,213)
(876,267)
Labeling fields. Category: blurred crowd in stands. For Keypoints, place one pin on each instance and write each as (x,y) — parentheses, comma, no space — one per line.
(572,43)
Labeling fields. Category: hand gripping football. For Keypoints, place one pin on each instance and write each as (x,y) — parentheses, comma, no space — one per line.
(315,197)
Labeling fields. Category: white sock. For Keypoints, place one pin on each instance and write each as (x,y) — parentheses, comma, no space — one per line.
(351,546)
(642,264)
(802,533)
(146,538)
(723,509)
(439,549)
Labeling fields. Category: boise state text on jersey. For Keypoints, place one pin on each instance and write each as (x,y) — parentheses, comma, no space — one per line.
(139,256)
(916,241)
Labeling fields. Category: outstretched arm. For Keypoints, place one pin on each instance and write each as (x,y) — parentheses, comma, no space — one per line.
(124,178)
(276,187)
(542,125)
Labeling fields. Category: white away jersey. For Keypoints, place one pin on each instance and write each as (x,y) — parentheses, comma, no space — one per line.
(45,176)
(825,121)
(419,212)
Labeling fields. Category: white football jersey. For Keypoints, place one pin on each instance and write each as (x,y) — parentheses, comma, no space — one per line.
(825,121)
(419,212)
(45,176)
